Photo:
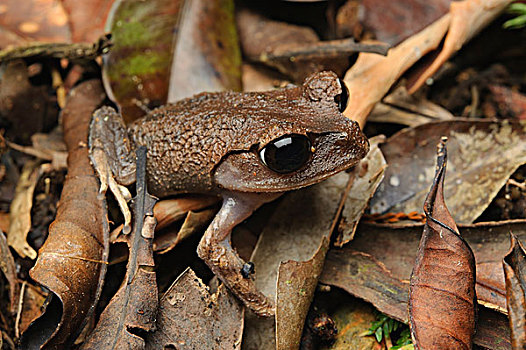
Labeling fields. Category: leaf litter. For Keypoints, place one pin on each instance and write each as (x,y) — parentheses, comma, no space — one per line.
(298,278)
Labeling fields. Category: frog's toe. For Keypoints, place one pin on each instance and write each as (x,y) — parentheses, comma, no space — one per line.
(99,160)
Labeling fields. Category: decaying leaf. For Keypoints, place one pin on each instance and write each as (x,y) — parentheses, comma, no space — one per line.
(8,268)
(20,211)
(475,146)
(303,220)
(366,178)
(514,264)
(131,313)
(364,276)
(192,318)
(72,262)
(156,39)
(442,299)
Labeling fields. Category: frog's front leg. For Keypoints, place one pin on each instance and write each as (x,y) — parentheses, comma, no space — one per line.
(216,251)
(111,155)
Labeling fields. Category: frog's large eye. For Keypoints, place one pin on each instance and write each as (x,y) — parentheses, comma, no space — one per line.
(287,153)
(343,98)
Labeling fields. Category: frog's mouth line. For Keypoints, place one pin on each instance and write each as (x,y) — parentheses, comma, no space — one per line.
(243,171)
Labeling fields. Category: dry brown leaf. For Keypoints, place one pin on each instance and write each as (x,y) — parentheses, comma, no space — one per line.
(20,211)
(442,299)
(474,147)
(192,318)
(383,279)
(366,178)
(514,264)
(72,261)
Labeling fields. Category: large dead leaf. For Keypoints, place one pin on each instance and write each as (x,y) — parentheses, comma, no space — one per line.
(131,313)
(514,264)
(72,262)
(295,233)
(442,299)
(368,278)
(192,318)
(474,146)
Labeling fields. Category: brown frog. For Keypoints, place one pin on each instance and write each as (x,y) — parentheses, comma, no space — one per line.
(248,148)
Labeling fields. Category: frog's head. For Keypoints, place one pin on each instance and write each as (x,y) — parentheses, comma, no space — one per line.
(300,137)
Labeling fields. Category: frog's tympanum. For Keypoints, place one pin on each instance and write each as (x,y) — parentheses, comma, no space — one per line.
(247,148)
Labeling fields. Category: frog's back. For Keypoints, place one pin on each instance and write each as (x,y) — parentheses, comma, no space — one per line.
(186,140)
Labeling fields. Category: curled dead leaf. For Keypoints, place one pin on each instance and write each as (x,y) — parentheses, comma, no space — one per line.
(442,299)
(72,261)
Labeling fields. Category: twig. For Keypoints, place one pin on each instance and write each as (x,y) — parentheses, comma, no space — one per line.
(19,309)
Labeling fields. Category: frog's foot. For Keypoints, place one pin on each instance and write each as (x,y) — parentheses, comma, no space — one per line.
(216,251)
(110,155)
(121,193)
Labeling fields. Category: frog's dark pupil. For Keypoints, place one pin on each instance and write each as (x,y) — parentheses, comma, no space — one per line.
(343,98)
(286,154)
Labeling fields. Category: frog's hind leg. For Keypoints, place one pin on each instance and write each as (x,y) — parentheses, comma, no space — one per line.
(216,251)
(111,155)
